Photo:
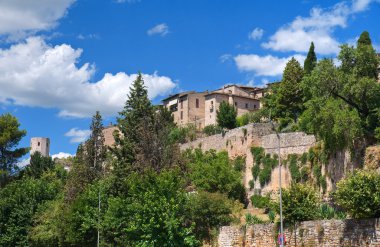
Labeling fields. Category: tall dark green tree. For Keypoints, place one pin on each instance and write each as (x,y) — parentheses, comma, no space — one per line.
(138,110)
(366,59)
(95,149)
(10,136)
(226,115)
(311,60)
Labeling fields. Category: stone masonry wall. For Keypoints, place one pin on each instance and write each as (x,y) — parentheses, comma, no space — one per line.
(331,233)
(235,141)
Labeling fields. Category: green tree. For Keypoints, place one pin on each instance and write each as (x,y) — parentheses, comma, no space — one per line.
(95,150)
(38,165)
(151,214)
(10,136)
(209,211)
(345,99)
(20,200)
(226,115)
(137,110)
(311,60)
(359,194)
(364,39)
(284,101)
(300,203)
(213,172)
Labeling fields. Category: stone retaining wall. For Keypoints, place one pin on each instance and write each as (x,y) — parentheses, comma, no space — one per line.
(331,233)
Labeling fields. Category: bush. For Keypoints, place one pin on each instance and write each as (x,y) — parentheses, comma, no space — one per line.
(209,211)
(239,163)
(242,120)
(212,130)
(359,194)
(252,219)
(327,212)
(212,172)
(300,202)
(271,216)
(259,201)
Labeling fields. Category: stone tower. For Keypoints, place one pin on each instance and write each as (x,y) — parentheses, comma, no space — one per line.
(40,144)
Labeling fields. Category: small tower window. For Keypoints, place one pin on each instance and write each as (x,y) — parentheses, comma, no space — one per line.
(246,105)
(181,115)
(39,144)
(196,103)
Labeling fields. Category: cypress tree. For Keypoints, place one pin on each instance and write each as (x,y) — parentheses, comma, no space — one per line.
(364,39)
(95,148)
(311,60)
(366,59)
(136,115)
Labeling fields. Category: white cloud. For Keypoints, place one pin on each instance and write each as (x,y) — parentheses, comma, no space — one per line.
(20,16)
(88,36)
(78,135)
(264,65)
(360,5)
(61,155)
(317,27)
(160,29)
(256,34)
(34,73)
(225,57)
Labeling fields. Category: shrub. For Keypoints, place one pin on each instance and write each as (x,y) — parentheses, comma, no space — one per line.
(259,201)
(209,211)
(212,130)
(359,194)
(293,168)
(252,219)
(327,212)
(242,120)
(239,163)
(271,216)
(300,203)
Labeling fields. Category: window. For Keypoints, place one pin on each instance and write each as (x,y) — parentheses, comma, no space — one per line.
(181,115)
(212,106)
(181,104)
(196,103)
(254,106)
(39,143)
(246,105)
(235,104)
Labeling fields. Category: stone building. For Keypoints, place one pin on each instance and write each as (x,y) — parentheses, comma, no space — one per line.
(200,108)
(40,144)
(187,108)
(243,100)
(108,131)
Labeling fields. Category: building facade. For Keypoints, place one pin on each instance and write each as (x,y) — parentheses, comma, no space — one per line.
(244,102)
(40,144)
(187,108)
(200,108)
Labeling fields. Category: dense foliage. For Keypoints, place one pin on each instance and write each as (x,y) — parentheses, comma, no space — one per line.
(300,203)
(359,194)
(226,115)
(10,136)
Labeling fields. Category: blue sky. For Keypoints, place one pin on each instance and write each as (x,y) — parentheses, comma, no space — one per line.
(61,60)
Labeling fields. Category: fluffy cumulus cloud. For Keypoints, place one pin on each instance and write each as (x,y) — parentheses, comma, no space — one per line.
(33,73)
(317,27)
(20,16)
(256,34)
(264,65)
(77,135)
(160,29)
(61,155)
